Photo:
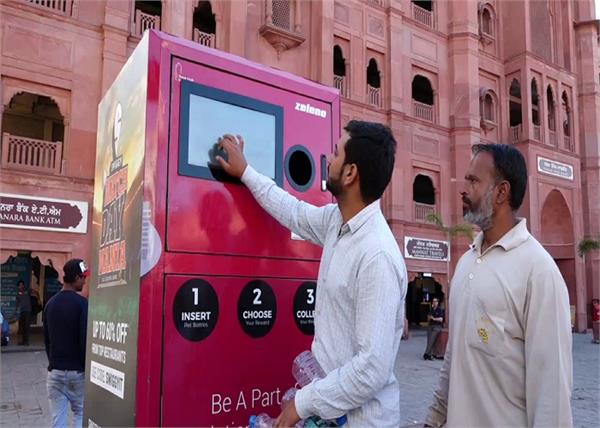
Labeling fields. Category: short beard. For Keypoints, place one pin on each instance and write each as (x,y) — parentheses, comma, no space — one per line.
(482,216)
(334,186)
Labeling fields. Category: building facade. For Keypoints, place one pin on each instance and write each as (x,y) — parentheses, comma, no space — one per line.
(443,75)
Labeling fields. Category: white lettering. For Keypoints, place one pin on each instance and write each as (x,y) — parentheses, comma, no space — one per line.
(220,404)
(195,316)
(307,108)
(257,314)
(241,403)
(305,314)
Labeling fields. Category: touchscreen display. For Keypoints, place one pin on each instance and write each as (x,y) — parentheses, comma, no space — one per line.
(209,119)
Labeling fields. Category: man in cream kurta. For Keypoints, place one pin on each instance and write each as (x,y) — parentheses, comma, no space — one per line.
(508,362)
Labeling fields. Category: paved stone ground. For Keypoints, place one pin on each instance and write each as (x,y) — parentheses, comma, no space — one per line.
(418,380)
(23,401)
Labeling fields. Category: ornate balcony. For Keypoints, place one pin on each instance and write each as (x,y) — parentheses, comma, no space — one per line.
(282,27)
(553,139)
(341,84)
(30,154)
(537,133)
(144,21)
(64,7)
(205,39)
(423,111)
(423,16)
(515,133)
(422,211)
(374,96)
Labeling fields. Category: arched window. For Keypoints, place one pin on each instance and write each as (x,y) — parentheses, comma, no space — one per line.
(535,103)
(147,16)
(487,24)
(373,75)
(423,190)
(34,133)
(488,102)
(515,103)
(488,108)
(422,90)
(374,84)
(423,99)
(551,109)
(339,70)
(566,109)
(339,63)
(204,24)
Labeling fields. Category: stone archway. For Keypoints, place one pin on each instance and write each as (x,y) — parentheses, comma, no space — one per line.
(557,236)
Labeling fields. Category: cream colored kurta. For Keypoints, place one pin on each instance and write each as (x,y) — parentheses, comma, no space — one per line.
(508,362)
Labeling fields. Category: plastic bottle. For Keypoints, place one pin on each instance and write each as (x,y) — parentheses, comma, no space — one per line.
(305,369)
(261,420)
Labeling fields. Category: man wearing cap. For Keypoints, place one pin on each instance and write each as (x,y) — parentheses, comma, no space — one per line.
(65,324)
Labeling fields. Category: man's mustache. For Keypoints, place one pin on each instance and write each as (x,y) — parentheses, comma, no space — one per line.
(467,201)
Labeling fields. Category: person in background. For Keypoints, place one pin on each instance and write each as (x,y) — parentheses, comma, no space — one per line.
(65,328)
(436,321)
(596,320)
(24,311)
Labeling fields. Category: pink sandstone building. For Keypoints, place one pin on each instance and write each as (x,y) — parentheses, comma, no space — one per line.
(442,74)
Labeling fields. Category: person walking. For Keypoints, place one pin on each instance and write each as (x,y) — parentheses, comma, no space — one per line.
(65,328)
(362,280)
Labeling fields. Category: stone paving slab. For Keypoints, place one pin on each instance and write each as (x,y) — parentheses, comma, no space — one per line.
(24,403)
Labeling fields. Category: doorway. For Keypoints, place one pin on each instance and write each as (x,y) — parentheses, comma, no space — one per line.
(421,291)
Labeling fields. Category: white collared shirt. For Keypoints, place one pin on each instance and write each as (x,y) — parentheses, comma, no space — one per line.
(359,312)
(508,362)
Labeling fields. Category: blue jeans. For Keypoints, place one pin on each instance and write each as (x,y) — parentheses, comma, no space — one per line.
(64,387)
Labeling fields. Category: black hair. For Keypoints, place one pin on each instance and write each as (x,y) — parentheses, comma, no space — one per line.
(20,282)
(510,165)
(372,148)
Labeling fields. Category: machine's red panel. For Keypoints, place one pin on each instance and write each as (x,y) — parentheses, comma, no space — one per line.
(219,365)
(227,220)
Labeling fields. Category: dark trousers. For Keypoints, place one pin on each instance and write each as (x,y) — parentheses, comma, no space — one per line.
(432,335)
(24,327)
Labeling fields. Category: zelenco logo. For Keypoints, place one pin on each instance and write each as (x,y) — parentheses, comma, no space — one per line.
(307,108)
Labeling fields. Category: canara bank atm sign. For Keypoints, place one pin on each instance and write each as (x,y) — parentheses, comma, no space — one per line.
(39,213)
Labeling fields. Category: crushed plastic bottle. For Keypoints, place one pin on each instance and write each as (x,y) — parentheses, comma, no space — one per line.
(305,369)
(261,420)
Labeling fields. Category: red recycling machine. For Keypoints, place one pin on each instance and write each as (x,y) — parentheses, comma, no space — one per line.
(199,300)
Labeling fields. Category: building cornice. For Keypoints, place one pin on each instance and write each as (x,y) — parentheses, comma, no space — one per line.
(595,22)
(54,182)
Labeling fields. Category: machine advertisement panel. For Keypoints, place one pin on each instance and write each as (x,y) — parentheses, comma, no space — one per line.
(117,228)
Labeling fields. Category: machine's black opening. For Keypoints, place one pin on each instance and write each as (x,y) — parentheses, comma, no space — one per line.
(299,168)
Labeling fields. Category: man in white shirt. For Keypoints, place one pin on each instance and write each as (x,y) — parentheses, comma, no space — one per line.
(508,362)
(359,313)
